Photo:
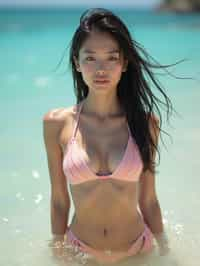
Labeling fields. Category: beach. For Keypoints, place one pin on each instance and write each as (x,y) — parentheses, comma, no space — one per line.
(32,43)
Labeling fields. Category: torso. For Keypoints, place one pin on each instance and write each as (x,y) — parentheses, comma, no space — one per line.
(106,211)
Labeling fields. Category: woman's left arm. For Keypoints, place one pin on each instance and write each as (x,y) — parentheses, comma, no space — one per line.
(148,201)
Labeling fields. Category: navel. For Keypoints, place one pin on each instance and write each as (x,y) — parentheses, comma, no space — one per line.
(105,232)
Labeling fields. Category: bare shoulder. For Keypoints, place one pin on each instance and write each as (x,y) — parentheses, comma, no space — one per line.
(154,119)
(57,115)
(55,119)
(154,127)
(57,125)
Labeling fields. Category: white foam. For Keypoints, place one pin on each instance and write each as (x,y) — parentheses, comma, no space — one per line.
(35,174)
(39,197)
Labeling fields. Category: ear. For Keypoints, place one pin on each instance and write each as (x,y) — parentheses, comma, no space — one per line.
(76,64)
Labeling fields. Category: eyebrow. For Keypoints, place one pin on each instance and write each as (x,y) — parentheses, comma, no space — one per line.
(92,52)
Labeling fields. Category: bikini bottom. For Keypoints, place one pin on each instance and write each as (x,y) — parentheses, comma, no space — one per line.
(143,244)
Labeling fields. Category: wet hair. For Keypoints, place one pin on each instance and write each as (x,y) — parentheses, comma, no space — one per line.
(134,88)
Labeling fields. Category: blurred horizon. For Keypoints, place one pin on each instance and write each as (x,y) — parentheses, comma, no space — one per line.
(79,3)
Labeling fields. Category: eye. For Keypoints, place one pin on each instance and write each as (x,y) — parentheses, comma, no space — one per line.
(89,58)
(113,58)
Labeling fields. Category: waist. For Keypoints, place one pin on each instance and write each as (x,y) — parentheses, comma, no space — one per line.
(117,235)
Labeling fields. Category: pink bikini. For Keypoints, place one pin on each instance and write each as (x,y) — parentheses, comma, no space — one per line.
(129,169)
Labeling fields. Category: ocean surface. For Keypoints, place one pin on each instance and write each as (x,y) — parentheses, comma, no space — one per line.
(32,43)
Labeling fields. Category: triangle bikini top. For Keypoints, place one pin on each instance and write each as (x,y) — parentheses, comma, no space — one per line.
(78,171)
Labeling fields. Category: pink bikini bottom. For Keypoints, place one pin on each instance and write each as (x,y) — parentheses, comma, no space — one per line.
(143,244)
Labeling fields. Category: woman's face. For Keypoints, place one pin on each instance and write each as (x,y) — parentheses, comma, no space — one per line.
(100,61)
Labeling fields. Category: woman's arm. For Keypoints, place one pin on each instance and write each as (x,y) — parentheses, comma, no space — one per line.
(60,200)
(149,204)
(148,201)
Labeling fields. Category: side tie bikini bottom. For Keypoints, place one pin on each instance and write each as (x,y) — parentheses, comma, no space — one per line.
(143,244)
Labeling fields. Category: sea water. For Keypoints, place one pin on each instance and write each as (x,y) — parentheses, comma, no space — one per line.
(32,42)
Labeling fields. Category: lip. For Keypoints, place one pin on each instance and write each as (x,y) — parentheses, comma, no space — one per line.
(101,80)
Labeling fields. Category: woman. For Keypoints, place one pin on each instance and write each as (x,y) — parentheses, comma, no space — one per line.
(105,145)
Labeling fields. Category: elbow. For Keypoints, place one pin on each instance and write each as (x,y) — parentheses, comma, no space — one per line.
(60,205)
(150,211)
(149,206)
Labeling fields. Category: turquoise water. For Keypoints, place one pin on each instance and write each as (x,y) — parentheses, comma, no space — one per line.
(31,45)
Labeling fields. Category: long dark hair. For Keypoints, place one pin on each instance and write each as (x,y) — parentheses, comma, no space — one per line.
(133,91)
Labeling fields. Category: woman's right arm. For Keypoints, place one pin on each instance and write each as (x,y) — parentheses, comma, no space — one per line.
(60,200)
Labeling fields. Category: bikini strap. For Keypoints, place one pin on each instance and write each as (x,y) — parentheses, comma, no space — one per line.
(78,108)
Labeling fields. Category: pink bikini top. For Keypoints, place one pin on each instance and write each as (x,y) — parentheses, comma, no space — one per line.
(77,170)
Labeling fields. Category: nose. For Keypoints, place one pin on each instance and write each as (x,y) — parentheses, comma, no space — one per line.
(101,68)
(100,71)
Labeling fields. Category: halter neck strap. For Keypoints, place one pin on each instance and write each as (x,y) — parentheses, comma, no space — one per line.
(78,108)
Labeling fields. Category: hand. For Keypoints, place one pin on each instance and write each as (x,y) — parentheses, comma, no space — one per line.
(163,243)
(163,250)
(57,246)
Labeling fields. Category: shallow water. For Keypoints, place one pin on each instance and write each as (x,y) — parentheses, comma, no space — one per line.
(31,44)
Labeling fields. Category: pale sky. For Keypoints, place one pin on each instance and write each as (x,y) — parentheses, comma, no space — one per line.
(96,3)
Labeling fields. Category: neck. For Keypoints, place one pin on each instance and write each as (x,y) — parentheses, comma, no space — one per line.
(102,107)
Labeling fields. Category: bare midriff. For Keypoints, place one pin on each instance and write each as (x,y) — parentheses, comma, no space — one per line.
(106,214)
